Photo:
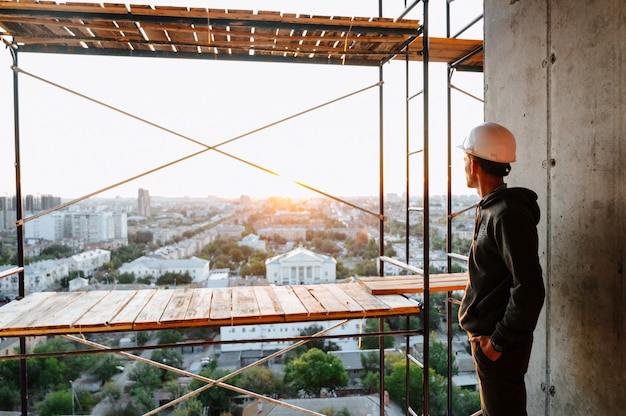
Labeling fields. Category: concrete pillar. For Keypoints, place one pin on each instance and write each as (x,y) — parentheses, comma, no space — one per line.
(555,74)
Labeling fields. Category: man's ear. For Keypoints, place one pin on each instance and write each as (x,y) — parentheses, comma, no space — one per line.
(474,165)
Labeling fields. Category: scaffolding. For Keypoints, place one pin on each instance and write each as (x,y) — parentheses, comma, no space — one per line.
(199,33)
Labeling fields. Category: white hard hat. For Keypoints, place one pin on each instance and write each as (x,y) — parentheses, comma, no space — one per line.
(490,141)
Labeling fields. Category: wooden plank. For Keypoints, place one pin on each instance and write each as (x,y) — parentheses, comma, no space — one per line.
(269,307)
(199,305)
(346,300)
(74,311)
(221,303)
(290,303)
(133,308)
(328,297)
(152,312)
(312,305)
(50,306)
(105,310)
(361,295)
(414,284)
(400,305)
(176,309)
(244,303)
(12,311)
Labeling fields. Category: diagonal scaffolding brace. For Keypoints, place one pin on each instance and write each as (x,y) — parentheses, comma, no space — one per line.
(212,382)
(207,148)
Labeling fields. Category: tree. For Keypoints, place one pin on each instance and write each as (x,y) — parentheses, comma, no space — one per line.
(9,396)
(170,278)
(142,337)
(439,358)
(55,251)
(261,380)
(141,237)
(216,398)
(125,278)
(253,268)
(315,370)
(321,344)
(190,407)
(371,342)
(56,403)
(106,368)
(145,376)
(168,357)
(366,267)
(111,390)
(169,336)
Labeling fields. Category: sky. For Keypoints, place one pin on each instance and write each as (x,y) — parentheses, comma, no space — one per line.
(71,147)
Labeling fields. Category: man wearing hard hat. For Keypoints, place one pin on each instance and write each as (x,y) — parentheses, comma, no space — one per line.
(505,290)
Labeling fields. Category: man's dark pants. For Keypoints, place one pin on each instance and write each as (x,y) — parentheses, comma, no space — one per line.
(502,388)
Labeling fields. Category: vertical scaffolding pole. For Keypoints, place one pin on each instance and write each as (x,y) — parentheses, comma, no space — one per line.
(448,217)
(426,380)
(407,191)
(381,167)
(19,228)
(381,222)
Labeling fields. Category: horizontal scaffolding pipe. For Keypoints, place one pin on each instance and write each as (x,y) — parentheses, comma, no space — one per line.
(402,265)
(208,343)
(458,256)
(11,272)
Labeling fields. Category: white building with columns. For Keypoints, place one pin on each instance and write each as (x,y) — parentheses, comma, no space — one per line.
(296,267)
(301,266)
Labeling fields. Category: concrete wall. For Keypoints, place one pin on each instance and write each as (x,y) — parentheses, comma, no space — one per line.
(555,74)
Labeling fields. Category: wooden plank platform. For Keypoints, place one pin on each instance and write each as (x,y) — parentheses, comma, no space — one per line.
(201,33)
(48,313)
(389,285)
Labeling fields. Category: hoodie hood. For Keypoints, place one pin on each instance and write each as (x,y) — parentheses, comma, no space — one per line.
(515,197)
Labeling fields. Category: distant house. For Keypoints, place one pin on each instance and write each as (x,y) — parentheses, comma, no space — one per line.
(253,241)
(218,278)
(288,232)
(361,405)
(143,267)
(77,283)
(229,231)
(353,364)
(88,261)
(38,276)
(301,266)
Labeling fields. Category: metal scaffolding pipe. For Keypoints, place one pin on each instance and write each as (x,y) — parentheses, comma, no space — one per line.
(426,317)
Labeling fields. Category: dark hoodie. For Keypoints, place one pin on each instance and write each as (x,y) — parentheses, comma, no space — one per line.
(505,291)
